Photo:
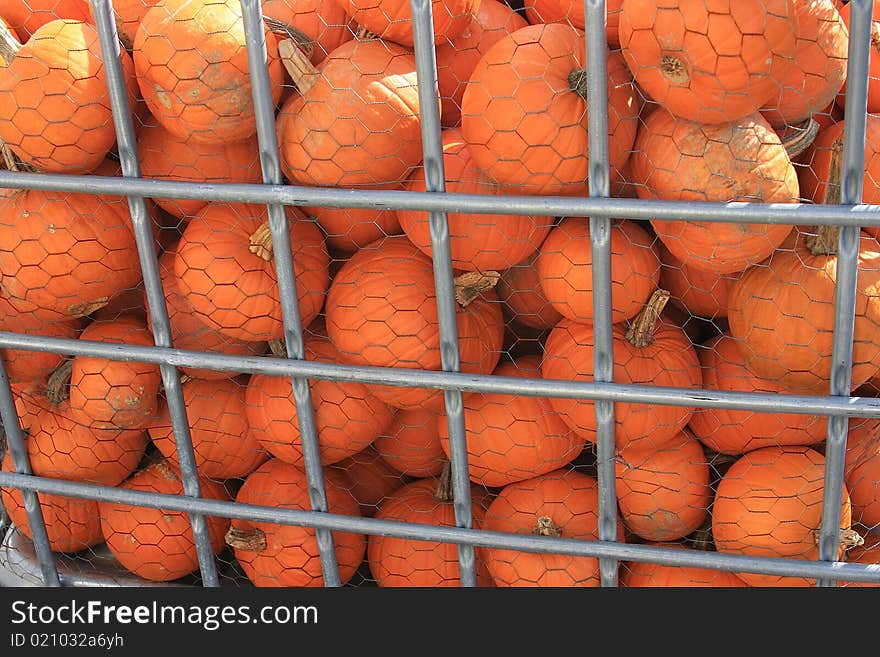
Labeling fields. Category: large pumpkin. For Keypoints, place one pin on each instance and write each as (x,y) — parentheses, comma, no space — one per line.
(512,438)
(783,313)
(524,111)
(565,268)
(743,160)
(225,267)
(391,20)
(769,503)
(287,555)
(734,432)
(158,544)
(648,352)
(644,574)
(382,311)
(478,242)
(522,296)
(192,69)
(411,444)
(55,111)
(708,62)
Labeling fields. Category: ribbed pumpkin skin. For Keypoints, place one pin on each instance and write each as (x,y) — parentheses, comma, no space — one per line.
(669,361)
(525,125)
(862,473)
(769,503)
(218,429)
(520,291)
(164,155)
(642,574)
(382,310)
(678,160)
(235,291)
(325,23)
(571,500)
(705,62)
(191,61)
(786,328)
(512,438)
(27,16)
(72,524)
(734,432)
(291,557)
(348,415)
(411,444)
(696,291)
(63,255)
(55,111)
(663,493)
(403,562)
(479,242)
(158,544)
(392,19)
(565,269)
(457,56)
(359,124)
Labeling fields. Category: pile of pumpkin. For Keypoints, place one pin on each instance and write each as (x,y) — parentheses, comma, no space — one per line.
(694,114)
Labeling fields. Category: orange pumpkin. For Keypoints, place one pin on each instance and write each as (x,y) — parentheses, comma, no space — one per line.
(115,394)
(225,268)
(55,111)
(743,160)
(479,242)
(158,544)
(873,60)
(324,25)
(411,445)
(27,16)
(641,574)
(391,20)
(572,12)
(648,352)
(696,291)
(524,111)
(128,15)
(348,415)
(769,503)
(559,503)
(287,555)
(512,438)
(192,69)
(64,256)
(349,229)
(734,432)
(382,310)
(706,62)
(862,472)
(783,313)
(372,479)
(664,493)
(565,268)
(218,428)
(522,296)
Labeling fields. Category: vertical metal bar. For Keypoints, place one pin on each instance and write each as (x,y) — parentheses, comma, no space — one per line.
(851,184)
(293,334)
(600,242)
(126,143)
(18,450)
(435,181)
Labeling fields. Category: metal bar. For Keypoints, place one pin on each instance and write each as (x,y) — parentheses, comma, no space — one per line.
(264,112)
(127,147)
(15,442)
(435,182)
(855,121)
(479,537)
(641,209)
(600,244)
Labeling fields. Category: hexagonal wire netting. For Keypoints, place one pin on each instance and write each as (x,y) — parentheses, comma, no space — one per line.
(453,355)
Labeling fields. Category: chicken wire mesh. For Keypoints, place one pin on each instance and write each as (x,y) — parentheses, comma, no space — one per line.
(392,308)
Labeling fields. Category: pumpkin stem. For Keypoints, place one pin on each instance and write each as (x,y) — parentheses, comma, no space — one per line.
(58,384)
(303,42)
(824,242)
(641,332)
(261,242)
(298,65)
(577,82)
(875,36)
(278,348)
(545,527)
(87,307)
(472,284)
(797,138)
(674,69)
(363,34)
(184,378)
(252,540)
(9,44)
(849,538)
(444,492)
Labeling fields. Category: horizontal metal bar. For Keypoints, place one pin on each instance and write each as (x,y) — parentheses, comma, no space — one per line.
(412,378)
(419,531)
(551,206)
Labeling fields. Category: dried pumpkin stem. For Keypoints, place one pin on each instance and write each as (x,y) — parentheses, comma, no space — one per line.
(87,307)
(261,242)
(251,540)
(302,39)
(797,138)
(363,34)
(545,527)
(8,160)
(577,82)
(875,36)
(641,332)
(298,65)
(825,241)
(444,492)
(849,538)
(58,384)
(9,45)
(470,285)
(278,348)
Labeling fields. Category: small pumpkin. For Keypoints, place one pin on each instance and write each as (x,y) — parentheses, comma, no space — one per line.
(391,20)
(372,479)
(411,444)
(522,296)
(273,555)
(642,574)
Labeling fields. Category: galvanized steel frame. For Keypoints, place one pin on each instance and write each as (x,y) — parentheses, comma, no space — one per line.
(839,405)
